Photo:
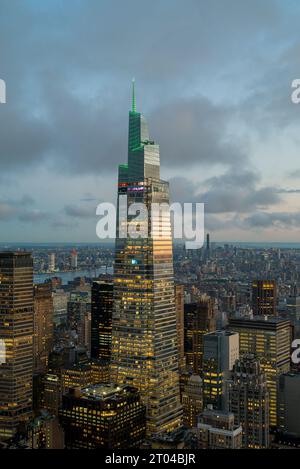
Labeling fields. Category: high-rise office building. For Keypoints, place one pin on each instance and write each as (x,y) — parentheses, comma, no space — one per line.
(199,319)
(207,254)
(179,303)
(60,306)
(144,333)
(76,376)
(103,416)
(46,433)
(248,400)
(207,242)
(51,262)
(192,401)
(220,351)
(37,392)
(16,330)
(292,312)
(77,307)
(270,341)
(85,331)
(66,355)
(101,320)
(288,404)
(264,297)
(100,371)
(228,303)
(293,308)
(74,259)
(217,430)
(43,326)
(52,393)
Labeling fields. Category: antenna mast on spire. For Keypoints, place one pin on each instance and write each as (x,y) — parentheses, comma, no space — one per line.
(133,96)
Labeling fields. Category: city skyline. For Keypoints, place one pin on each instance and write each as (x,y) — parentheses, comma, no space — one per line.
(149,276)
(218,99)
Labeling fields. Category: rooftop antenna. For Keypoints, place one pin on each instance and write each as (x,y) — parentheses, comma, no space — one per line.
(133,96)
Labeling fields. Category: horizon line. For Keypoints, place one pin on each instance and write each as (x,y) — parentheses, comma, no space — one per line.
(175,242)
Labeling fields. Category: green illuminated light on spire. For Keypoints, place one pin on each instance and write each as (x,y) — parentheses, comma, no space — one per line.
(133,108)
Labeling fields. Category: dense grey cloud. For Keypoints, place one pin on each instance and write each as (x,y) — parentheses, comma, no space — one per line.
(7,211)
(268,108)
(237,192)
(64,100)
(20,209)
(24,140)
(259,220)
(288,191)
(81,136)
(193,132)
(273,219)
(238,200)
(61,223)
(214,223)
(78,211)
(295,174)
(34,216)
(183,190)
(88,197)
(209,76)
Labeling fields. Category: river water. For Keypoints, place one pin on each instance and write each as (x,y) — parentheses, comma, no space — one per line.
(69,276)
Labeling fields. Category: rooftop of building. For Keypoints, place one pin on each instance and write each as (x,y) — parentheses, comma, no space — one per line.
(104,391)
(217,413)
(260,319)
(175,436)
(218,421)
(220,333)
(51,377)
(99,362)
(9,254)
(103,282)
(195,378)
(77,367)
(291,374)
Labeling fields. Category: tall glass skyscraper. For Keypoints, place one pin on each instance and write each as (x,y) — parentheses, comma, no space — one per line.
(16,330)
(144,336)
(101,317)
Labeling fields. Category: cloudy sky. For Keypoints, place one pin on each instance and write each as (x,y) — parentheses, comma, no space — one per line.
(213,79)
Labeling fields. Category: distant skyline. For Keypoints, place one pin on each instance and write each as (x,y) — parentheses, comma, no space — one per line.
(213,80)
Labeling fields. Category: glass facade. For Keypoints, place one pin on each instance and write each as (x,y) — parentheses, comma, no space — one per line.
(43,327)
(199,320)
(220,351)
(144,334)
(103,416)
(270,341)
(101,317)
(248,400)
(16,329)
(264,297)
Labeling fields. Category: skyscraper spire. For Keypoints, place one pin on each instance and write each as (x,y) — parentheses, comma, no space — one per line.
(144,335)
(133,108)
